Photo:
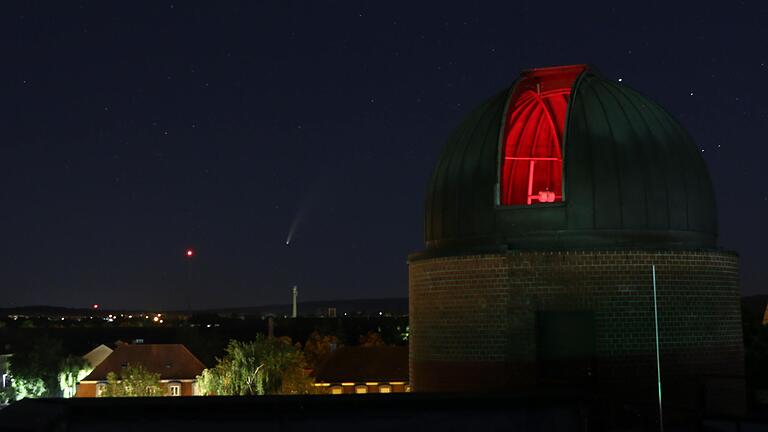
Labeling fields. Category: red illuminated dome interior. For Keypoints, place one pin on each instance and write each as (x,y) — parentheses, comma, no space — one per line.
(532,166)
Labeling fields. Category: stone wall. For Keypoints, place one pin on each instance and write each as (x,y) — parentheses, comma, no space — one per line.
(473,319)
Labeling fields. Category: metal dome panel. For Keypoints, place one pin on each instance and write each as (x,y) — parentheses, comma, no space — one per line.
(632,178)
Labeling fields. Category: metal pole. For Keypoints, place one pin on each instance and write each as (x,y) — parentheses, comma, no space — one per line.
(658,361)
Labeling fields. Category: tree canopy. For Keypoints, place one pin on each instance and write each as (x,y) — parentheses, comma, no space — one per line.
(371,338)
(318,348)
(34,369)
(262,366)
(134,380)
(72,369)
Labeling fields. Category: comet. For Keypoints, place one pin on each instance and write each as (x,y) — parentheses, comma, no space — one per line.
(305,206)
(294,226)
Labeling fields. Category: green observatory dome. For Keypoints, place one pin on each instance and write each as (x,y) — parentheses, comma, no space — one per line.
(566,159)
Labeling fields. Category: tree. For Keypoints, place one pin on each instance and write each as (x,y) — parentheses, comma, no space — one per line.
(24,387)
(7,395)
(134,380)
(34,368)
(371,338)
(262,366)
(71,370)
(318,348)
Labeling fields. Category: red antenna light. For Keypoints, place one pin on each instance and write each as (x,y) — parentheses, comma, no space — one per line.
(96,306)
(190,252)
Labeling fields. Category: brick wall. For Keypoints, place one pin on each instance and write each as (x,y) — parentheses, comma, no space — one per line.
(473,318)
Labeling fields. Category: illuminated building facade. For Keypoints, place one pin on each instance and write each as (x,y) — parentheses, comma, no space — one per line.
(546,210)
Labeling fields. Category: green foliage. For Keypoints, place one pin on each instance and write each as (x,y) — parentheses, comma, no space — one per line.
(27,387)
(34,368)
(7,395)
(406,334)
(262,366)
(72,369)
(134,380)
(27,324)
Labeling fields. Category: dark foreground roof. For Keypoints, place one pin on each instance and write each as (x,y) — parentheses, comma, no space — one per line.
(284,413)
(171,361)
(359,364)
(372,412)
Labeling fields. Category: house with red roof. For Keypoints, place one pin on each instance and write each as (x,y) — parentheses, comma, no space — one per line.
(177,366)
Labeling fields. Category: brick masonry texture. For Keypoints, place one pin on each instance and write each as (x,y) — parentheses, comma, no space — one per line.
(479,309)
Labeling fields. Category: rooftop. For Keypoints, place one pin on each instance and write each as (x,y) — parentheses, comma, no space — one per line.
(359,364)
(171,361)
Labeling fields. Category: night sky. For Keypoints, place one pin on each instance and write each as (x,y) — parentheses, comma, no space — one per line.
(131,131)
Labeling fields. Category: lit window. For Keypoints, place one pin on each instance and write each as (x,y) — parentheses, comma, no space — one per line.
(385,388)
(361,389)
(175,389)
(336,390)
(532,147)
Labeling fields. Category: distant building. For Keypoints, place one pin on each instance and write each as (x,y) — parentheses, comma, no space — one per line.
(377,369)
(331,312)
(177,366)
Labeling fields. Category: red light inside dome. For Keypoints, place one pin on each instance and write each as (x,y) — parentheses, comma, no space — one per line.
(532,148)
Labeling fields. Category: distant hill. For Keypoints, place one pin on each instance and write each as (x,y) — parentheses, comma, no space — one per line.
(40,310)
(395,306)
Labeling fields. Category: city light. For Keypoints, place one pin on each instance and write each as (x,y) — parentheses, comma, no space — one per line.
(190,252)
(95,305)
